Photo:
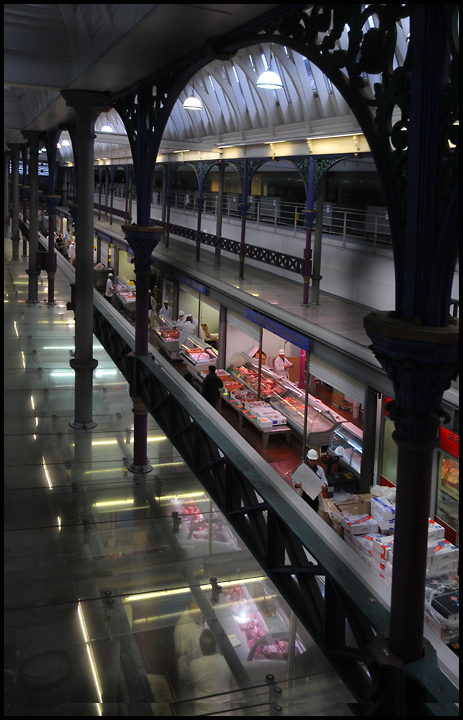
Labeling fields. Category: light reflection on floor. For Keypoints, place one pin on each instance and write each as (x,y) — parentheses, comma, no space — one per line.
(96,579)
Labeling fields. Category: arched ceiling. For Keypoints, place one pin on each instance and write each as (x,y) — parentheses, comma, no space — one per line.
(235,112)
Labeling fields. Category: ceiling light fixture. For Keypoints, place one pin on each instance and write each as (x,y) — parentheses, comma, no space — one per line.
(270,80)
(193,103)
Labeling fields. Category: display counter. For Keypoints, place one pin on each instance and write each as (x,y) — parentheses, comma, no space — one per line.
(125,293)
(168,338)
(198,355)
(288,399)
(349,437)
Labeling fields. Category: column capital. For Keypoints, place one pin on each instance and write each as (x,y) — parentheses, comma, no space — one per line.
(51,202)
(15,148)
(142,240)
(33,138)
(87,99)
(421,362)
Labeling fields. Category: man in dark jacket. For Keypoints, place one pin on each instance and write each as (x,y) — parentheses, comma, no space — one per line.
(211,386)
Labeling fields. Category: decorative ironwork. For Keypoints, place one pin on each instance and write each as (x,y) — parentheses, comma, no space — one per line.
(269,257)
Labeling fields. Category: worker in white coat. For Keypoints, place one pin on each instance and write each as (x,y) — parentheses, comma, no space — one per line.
(312,457)
(210,677)
(71,250)
(166,311)
(185,329)
(109,290)
(188,631)
(181,318)
(281,364)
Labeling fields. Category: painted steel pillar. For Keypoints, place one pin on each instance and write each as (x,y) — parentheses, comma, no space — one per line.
(88,105)
(420,361)
(25,194)
(33,138)
(142,240)
(168,201)
(200,202)
(244,207)
(6,220)
(14,199)
(310,216)
(111,189)
(317,248)
(218,227)
(51,202)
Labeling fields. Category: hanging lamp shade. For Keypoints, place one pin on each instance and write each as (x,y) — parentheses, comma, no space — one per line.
(269,80)
(192,103)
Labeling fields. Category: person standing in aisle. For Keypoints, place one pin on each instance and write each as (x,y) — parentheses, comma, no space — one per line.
(211,386)
(71,250)
(312,457)
(185,329)
(109,290)
(210,676)
(281,364)
(181,318)
(166,311)
(188,631)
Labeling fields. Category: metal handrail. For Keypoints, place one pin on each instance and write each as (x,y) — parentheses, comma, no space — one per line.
(370,223)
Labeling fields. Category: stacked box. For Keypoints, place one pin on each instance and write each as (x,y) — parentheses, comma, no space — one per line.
(444,558)
(362,544)
(359,524)
(388,573)
(380,555)
(383,512)
(435,531)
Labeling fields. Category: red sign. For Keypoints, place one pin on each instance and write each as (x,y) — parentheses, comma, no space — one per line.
(449,441)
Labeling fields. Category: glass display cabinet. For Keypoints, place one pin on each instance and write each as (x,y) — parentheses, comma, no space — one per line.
(350,438)
(288,399)
(125,293)
(198,355)
(168,338)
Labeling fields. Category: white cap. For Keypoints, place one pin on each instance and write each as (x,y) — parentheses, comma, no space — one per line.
(181,313)
(110,275)
(312,455)
(339,451)
(281,352)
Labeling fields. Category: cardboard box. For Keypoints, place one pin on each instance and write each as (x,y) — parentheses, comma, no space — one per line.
(382,509)
(381,545)
(364,503)
(359,524)
(350,506)
(435,531)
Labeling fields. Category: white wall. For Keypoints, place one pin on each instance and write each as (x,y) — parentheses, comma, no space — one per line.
(352,273)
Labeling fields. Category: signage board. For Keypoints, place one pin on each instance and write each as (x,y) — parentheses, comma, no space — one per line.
(286,333)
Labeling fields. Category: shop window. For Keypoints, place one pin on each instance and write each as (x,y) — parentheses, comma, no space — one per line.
(448,490)
(389,462)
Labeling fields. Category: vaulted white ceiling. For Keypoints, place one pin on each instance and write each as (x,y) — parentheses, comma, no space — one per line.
(109,47)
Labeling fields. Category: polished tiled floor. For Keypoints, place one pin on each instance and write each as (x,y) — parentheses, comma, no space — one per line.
(95,578)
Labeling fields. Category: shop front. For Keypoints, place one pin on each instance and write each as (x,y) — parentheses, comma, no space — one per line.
(445,495)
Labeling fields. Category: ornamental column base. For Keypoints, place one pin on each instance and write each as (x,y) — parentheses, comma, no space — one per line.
(15,242)
(83,393)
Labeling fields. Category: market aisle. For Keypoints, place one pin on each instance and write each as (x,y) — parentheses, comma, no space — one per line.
(94,576)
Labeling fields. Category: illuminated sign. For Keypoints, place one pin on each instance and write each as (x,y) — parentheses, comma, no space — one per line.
(449,441)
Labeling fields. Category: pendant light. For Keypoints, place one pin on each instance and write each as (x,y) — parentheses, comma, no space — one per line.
(270,80)
(193,103)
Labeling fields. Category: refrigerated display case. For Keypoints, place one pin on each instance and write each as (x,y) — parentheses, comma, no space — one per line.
(288,399)
(349,437)
(168,338)
(198,355)
(125,294)
(447,508)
